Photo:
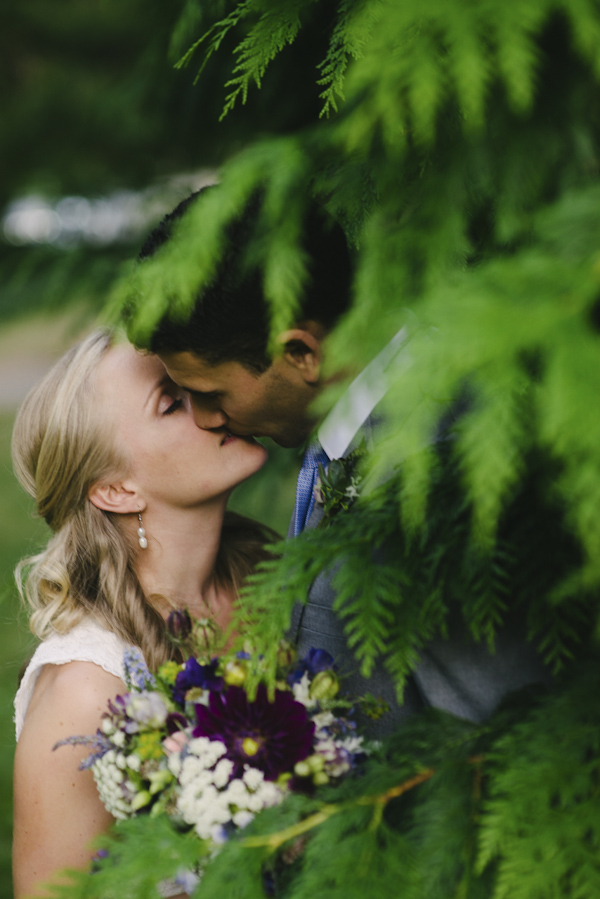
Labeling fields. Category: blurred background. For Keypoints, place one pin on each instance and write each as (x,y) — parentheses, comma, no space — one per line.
(100,136)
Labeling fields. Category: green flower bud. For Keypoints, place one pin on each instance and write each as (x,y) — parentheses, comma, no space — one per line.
(159,780)
(316,763)
(140,800)
(286,655)
(325,685)
(205,634)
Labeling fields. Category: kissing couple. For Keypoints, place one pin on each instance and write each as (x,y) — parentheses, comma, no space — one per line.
(131,456)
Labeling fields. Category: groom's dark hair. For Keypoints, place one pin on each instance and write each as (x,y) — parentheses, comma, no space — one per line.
(230,317)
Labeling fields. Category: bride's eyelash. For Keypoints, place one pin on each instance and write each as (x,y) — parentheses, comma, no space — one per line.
(175,405)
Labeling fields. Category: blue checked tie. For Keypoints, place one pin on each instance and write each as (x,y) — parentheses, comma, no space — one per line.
(305,487)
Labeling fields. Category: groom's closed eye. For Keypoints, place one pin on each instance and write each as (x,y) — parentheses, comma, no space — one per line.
(200,396)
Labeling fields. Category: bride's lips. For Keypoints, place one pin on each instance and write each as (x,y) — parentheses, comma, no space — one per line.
(228,437)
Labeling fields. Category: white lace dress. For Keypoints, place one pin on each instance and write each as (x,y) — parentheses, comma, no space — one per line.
(87,642)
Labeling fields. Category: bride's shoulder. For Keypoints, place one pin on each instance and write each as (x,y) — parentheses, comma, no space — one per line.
(72,696)
(76,680)
(72,664)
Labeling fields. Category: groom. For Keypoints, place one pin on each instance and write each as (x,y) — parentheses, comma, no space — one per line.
(220,356)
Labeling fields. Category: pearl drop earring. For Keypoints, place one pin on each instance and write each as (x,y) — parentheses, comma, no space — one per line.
(142,533)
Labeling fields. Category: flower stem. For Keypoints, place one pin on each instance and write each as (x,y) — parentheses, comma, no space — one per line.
(275,840)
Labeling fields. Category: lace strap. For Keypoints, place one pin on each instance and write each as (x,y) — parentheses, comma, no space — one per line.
(88,642)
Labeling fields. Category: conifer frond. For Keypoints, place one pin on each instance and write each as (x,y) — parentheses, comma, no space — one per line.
(541,823)
(175,276)
(491,442)
(346,43)
(190,20)
(437,52)
(486,600)
(366,601)
(216,34)
(275,29)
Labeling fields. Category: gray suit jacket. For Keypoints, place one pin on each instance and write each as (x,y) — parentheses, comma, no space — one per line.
(455,674)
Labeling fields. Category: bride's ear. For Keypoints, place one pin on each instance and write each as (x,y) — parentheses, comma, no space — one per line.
(115,497)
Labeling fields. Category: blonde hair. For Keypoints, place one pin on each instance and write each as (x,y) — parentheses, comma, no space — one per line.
(61,447)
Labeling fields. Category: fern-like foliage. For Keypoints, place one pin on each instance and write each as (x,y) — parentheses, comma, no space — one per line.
(215,36)
(347,41)
(546,843)
(458,145)
(273,31)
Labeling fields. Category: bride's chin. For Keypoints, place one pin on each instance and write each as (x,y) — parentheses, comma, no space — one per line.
(261,454)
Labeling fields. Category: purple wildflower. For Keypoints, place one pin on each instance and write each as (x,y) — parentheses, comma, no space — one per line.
(314,661)
(270,736)
(137,673)
(179,624)
(196,675)
(117,714)
(99,742)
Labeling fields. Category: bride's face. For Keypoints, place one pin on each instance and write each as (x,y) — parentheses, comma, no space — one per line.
(171,460)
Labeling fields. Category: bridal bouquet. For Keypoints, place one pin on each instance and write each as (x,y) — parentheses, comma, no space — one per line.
(190,742)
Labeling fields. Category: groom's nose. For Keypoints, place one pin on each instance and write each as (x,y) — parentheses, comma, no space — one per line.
(208,419)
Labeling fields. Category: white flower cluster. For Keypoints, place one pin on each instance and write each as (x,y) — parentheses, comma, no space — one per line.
(333,755)
(116,772)
(117,791)
(338,752)
(301,691)
(352,490)
(209,798)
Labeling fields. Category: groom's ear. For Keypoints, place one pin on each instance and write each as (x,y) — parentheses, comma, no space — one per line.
(116,497)
(302,350)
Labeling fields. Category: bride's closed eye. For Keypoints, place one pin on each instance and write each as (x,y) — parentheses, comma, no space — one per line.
(170,402)
(175,405)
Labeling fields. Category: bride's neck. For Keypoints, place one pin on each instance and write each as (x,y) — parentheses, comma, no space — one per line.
(177,569)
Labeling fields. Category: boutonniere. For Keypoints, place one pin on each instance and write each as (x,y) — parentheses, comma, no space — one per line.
(338,488)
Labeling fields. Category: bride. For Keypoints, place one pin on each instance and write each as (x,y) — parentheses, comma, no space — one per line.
(135,495)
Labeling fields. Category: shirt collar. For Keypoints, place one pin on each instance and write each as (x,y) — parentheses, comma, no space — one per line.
(351,411)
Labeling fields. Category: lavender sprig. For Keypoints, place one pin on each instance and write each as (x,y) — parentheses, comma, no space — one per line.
(99,740)
(137,673)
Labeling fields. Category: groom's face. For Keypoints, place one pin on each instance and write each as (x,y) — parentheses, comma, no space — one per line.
(229,395)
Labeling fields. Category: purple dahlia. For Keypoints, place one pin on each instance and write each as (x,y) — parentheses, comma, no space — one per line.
(270,736)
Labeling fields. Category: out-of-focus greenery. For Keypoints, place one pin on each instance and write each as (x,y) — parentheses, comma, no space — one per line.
(91,103)
(20,535)
(269,496)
